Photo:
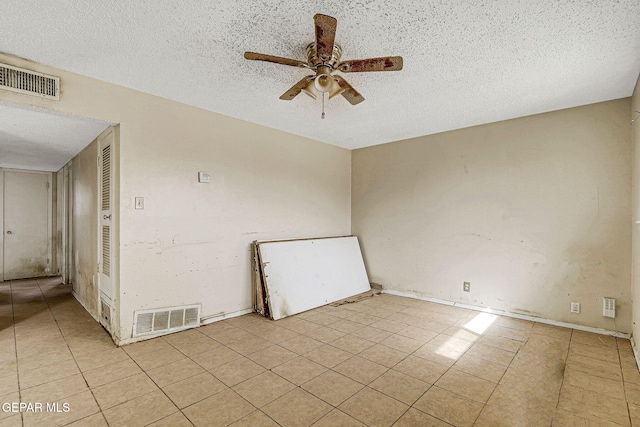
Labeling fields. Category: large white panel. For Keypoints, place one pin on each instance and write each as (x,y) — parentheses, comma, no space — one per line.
(303,274)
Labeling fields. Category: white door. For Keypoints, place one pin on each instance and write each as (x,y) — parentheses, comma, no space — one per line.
(27,224)
(105,235)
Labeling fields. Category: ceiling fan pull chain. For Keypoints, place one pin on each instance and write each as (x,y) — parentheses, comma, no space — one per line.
(322,105)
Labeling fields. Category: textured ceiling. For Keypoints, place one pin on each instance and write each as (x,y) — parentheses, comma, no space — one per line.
(37,139)
(465,63)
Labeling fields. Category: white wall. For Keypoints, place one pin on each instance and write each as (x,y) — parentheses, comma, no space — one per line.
(635,136)
(534,212)
(191,243)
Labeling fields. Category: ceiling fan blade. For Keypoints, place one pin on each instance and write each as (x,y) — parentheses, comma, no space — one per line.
(349,93)
(325,35)
(277,59)
(296,88)
(387,63)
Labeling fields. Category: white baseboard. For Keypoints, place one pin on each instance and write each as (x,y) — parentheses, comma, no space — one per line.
(514,315)
(205,320)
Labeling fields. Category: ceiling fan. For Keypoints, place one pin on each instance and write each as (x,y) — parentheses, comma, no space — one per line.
(323,57)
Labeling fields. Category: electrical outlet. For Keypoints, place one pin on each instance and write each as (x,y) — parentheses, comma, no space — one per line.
(466,286)
(575,307)
(609,307)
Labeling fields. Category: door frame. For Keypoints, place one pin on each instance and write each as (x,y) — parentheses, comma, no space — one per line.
(114,300)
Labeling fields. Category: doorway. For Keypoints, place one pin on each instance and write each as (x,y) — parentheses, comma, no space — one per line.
(27,224)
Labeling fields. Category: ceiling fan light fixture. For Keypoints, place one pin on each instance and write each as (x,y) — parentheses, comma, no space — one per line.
(335,89)
(310,89)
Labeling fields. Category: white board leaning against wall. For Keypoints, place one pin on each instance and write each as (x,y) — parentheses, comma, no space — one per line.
(293,276)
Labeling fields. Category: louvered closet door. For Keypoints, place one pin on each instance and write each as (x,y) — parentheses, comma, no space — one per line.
(105,234)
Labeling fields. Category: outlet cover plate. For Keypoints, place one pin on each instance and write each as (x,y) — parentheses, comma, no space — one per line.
(575,307)
(466,286)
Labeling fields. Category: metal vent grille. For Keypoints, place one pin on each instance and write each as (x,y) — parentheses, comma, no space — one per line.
(106,250)
(165,320)
(25,81)
(106,178)
(105,313)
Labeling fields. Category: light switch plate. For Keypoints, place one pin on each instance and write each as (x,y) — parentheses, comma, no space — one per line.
(204,177)
(139,202)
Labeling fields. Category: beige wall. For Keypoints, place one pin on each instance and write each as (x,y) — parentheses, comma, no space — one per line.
(534,212)
(191,243)
(635,137)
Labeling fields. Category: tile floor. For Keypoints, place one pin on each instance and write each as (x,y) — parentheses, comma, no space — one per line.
(383,361)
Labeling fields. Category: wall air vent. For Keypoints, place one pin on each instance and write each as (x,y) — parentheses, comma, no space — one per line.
(165,320)
(25,81)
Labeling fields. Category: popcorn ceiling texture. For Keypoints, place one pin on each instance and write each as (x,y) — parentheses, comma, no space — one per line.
(465,63)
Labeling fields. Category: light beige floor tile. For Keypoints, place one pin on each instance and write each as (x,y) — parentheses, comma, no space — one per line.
(92,361)
(228,335)
(249,345)
(48,373)
(589,338)
(415,418)
(176,419)
(359,369)
(466,385)
(55,390)
(491,354)
(564,418)
(9,399)
(301,344)
(373,408)
(550,330)
(81,405)
(216,357)
(322,319)
(219,410)
(402,343)
(508,333)
(193,389)
(141,411)
(255,419)
(154,345)
(438,354)
(324,334)
(595,367)
(593,406)
(150,360)
(279,334)
(449,407)
(332,387)
(14,420)
(599,385)
(509,322)
(299,370)
(9,383)
(95,420)
(346,326)
(480,368)
(632,392)
(603,353)
(337,418)
(263,388)
(383,355)
(120,391)
(421,369)
(237,371)
(272,356)
(371,334)
(297,408)
(198,346)
(352,344)
(110,373)
(328,355)
(174,372)
(400,386)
